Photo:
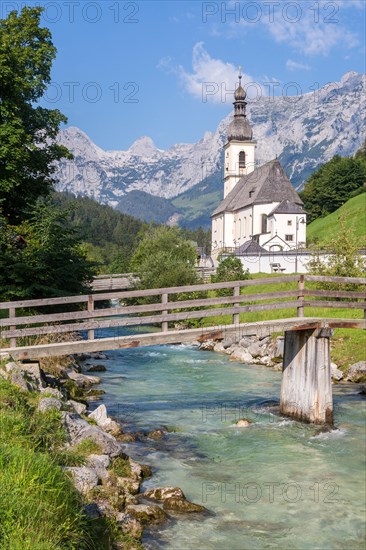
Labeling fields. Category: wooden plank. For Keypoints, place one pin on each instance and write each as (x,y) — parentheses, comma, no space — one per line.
(148,292)
(171,337)
(128,310)
(340,305)
(335,293)
(140,321)
(345,280)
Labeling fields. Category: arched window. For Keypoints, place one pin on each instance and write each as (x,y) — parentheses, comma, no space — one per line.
(241,161)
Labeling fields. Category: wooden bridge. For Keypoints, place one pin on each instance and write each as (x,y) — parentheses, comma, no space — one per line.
(25,335)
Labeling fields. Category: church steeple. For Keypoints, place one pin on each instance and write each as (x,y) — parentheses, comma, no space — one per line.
(240,147)
(239,129)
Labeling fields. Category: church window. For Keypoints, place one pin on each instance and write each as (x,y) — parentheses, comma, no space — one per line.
(241,162)
(289,237)
(264,223)
(289,222)
(251,193)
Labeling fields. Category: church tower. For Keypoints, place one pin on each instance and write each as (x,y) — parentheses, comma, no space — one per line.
(239,151)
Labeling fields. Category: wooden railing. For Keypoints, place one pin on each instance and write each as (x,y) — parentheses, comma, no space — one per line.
(172,311)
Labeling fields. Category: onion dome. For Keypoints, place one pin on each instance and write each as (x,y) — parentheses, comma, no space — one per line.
(239,128)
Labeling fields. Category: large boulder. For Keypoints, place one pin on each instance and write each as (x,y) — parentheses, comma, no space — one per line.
(30,372)
(357,372)
(82,380)
(79,430)
(242,355)
(147,514)
(49,404)
(130,525)
(256,349)
(53,391)
(85,479)
(101,417)
(336,374)
(99,463)
(174,500)
(79,408)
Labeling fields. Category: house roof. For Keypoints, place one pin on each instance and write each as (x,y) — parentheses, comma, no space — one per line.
(250,247)
(266,184)
(287,207)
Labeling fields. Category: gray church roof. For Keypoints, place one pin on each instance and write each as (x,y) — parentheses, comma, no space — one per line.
(250,247)
(266,184)
(287,207)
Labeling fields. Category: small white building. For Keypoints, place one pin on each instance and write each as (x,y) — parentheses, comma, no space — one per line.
(260,204)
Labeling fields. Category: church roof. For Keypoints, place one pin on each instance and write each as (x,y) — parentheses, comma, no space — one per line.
(287,207)
(250,247)
(266,184)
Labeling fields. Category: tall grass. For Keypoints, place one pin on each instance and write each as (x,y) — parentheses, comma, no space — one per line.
(39,507)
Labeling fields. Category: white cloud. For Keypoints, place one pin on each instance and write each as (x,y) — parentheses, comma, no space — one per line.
(311,28)
(211,80)
(295,66)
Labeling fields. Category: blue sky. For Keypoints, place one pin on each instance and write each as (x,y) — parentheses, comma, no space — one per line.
(162,68)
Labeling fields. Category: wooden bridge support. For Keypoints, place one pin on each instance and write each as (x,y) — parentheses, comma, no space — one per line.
(306,390)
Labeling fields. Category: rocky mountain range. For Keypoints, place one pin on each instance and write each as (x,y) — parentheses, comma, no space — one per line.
(183,184)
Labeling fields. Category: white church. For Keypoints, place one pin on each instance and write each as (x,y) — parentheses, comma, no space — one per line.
(261,212)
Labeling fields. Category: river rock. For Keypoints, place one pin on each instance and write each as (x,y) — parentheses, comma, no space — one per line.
(182,506)
(85,479)
(52,391)
(336,374)
(147,514)
(82,380)
(101,417)
(99,463)
(49,404)
(243,423)
(156,434)
(27,376)
(130,525)
(17,378)
(242,355)
(247,341)
(162,493)
(357,372)
(255,349)
(96,368)
(218,347)
(173,499)
(79,408)
(4,356)
(208,345)
(79,430)
(363,389)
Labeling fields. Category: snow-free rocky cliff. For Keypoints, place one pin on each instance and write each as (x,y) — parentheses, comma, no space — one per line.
(302,132)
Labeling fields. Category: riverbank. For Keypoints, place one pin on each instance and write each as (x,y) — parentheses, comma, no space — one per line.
(66,481)
(268,351)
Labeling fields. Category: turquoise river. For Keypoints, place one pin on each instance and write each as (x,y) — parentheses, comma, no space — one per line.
(277,484)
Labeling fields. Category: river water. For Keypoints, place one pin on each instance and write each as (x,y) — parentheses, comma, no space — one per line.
(277,484)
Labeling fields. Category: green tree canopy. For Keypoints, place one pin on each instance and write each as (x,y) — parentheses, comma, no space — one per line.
(230,269)
(164,258)
(28,148)
(332,185)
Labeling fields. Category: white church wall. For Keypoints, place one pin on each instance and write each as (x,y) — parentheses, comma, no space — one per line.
(232,172)
(258,210)
(290,229)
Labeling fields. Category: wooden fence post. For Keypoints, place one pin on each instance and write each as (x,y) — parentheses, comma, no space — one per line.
(300,297)
(164,324)
(91,334)
(12,314)
(236,316)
